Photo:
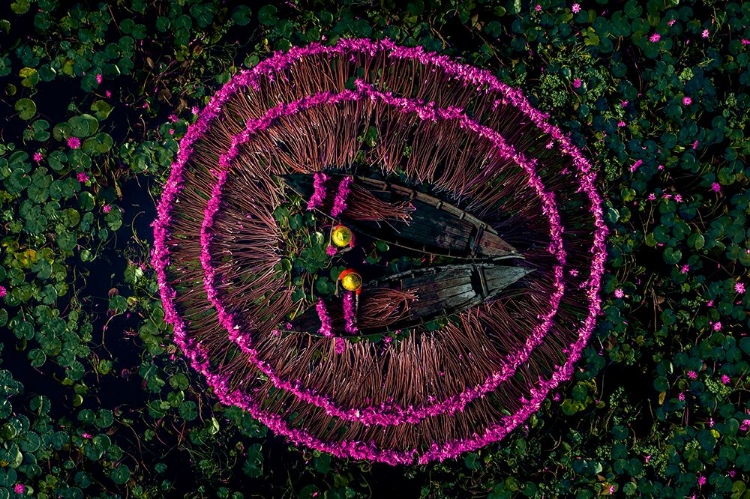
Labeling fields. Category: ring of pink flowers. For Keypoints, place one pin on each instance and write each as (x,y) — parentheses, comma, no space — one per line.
(359,450)
(391,414)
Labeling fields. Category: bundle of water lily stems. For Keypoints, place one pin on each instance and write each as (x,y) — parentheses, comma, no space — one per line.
(434,394)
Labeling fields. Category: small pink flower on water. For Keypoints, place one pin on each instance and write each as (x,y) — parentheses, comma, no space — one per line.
(684,269)
(695,145)
(195,110)
(330,250)
(538,8)
(619,293)
(705,33)
(19,488)
(745,41)
(652,197)
(624,103)
(86,435)
(686,101)
(655,38)
(660,167)
(732,473)
(635,165)
(107,209)
(621,124)
(710,303)
(576,8)
(173,118)
(701,480)
(671,22)
(692,375)
(99,79)
(725,379)
(82,177)
(108,94)
(710,422)
(716,187)
(38,156)
(647,458)
(577,83)
(739,287)
(3,291)
(74,142)
(678,198)
(681,397)
(717,326)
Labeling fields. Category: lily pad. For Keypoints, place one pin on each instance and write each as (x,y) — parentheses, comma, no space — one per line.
(26,108)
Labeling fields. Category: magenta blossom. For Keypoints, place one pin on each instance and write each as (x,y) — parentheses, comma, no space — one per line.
(38,156)
(3,291)
(74,142)
(619,293)
(684,269)
(82,177)
(716,187)
(576,8)
(725,379)
(538,8)
(655,37)
(107,209)
(692,375)
(339,204)
(717,326)
(19,488)
(350,314)
(316,200)
(739,287)
(326,327)
(577,83)
(99,79)
(705,33)
(687,101)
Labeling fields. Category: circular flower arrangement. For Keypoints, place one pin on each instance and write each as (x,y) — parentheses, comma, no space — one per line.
(379,252)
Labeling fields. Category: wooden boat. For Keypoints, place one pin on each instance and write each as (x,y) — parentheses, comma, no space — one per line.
(416,297)
(433,226)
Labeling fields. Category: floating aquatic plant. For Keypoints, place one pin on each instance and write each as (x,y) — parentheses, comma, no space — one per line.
(442,127)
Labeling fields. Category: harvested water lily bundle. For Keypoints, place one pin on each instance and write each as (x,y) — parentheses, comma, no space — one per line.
(379,252)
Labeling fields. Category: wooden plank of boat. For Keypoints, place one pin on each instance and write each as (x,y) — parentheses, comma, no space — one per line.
(435,227)
(441,291)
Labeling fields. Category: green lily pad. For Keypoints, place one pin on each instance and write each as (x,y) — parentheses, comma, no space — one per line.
(26,108)
(101,109)
(66,241)
(120,474)
(188,410)
(84,125)
(37,357)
